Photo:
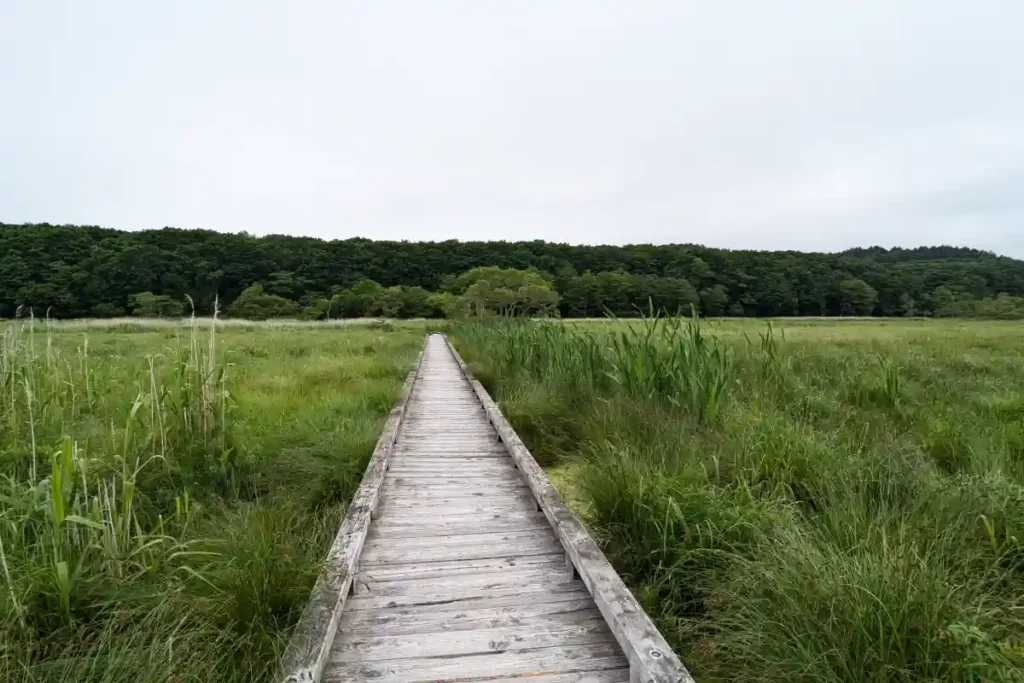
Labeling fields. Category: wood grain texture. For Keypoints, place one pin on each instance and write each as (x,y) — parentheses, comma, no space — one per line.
(483,538)
(369,648)
(457,567)
(459,575)
(537,575)
(470,600)
(566,611)
(499,517)
(426,529)
(651,659)
(394,553)
(509,663)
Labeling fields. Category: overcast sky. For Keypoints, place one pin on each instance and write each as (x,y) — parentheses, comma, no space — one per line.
(782,124)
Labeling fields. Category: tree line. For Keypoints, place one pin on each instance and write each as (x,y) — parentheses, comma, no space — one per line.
(72,271)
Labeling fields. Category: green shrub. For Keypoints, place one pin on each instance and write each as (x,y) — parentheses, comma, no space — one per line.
(149,305)
(255,304)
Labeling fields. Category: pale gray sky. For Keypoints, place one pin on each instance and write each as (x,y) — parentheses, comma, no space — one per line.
(795,124)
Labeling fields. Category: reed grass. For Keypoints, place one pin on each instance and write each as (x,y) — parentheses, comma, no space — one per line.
(792,501)
(167,492)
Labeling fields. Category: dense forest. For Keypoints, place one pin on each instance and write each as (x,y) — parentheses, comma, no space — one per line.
(72,271)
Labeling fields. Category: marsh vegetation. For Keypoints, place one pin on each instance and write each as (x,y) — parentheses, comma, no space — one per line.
(167,492)
(791,501)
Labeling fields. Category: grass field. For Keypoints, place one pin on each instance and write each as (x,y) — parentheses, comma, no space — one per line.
(814,501)
(811,501)
(167,492)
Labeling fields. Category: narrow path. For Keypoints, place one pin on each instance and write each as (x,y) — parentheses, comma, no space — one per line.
(461,577)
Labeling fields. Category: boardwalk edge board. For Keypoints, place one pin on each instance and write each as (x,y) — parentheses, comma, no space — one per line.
(651,660)
(304,657)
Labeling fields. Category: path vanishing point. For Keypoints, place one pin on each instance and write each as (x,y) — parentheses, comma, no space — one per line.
(458,561)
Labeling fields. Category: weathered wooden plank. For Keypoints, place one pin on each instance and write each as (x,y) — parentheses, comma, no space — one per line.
(450,409)
(475,600)
(447,436)
(445,415)
(519,576)
(306,653)
(448,595)
(469,510)
(413,515)
(446,466)
(457,506)
(441,553)
(474,447)
(456,394)
(451,451)
(422,531)
(506,639)
(414,444)
(466,446)
(651,659)
(463,480)
(390,521)
(460,406)
(452,455)
(443,434)
(446,433)
(472,473)
(433,421)
(466,424)
(485,455)
(571,659)
(398,572)
(426,515)
(409,493)
(605,676)
(442,437)
(375,542)
(484,483)
(468,463)
(490,461)
(540,614)
(489,491)
(458,566)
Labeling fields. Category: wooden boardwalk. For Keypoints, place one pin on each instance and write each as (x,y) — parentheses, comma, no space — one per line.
(460,574)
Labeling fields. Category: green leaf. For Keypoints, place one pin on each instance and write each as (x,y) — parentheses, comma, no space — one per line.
(76,519)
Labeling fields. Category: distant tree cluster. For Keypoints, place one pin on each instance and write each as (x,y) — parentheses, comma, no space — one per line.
(1000,307)
(71,271)
(487,290)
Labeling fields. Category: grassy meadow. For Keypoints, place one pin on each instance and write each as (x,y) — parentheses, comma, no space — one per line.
(794,501)
(168,490)
(799,501)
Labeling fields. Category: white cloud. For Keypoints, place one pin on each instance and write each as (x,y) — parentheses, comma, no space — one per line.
(792,124)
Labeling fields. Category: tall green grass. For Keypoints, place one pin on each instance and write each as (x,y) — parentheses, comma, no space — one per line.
(654,358)
(822,502)
(166,495)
